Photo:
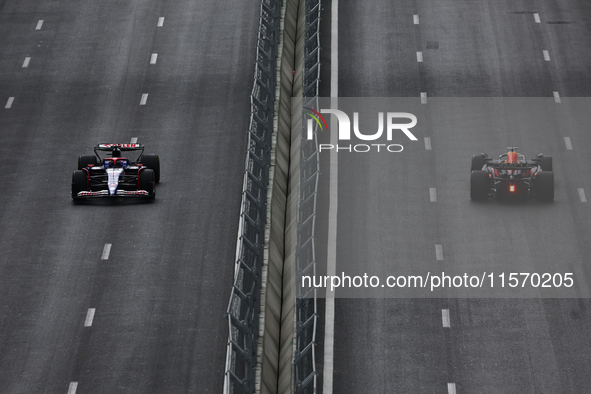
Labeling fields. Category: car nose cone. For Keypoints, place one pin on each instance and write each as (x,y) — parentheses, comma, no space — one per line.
(113,179)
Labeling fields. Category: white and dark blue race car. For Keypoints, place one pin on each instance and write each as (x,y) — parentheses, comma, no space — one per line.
(116,170)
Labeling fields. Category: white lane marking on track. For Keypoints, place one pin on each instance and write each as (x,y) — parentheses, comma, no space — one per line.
(73,387)
(106,252)
(89,317)
(568,143)
(160,21)
(546,55)
(133,140)
(433,194)
(9,102)
(439,252)
(556,97)
(582,196)
(331,249)
(536,17)
(415,19)
(39,24)
(144,99)
(427,143)
(451,388)
(153,58)
(423,97)
(27,61)
(445,318)
(419,56)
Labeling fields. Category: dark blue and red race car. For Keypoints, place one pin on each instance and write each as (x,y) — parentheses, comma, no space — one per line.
(116,170)
(512,176)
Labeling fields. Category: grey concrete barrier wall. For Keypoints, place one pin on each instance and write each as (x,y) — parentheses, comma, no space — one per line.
(277,318)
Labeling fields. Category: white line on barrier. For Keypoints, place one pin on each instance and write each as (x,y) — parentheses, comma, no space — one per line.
(433,194)
(144,99)
(161,21)
(27,61)
(89,317)
(445,318)
(556,97)
(419,56)
(582,195)
(415,19)
(153,58)
(536,17)
(332,208)
(451,388)
(39,24)
(439,251)
(73,387)
(9,102)
(546,55)
(568,143)
(106,252)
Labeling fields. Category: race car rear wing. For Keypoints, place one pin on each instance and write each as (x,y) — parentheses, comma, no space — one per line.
(123,147)
(511,166)
(109,148)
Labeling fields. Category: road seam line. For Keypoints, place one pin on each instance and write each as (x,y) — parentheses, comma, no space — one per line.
(89,317)
(329,315)
(73,387)
(451,388)
(445,319)
(106,252)
(439,252)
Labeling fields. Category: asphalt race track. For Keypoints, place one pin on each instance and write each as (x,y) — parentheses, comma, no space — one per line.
(120,296)
(387,213)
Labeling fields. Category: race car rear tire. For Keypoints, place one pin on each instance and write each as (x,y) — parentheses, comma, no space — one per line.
(546,163)
(85,160)
(79,182)
(153,163)
(479,185)
(147,182)
(477,162)
(544,186)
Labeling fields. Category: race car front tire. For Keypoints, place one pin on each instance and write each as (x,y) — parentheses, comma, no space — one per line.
(85,160)
(479,185)
(544,186)
(477,162)
(79,182)
(546,163)
(153,163)
(147,182)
